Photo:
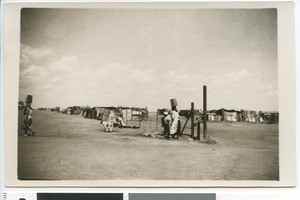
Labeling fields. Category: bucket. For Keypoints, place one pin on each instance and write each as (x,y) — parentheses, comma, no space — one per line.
(28,99)
(173,102)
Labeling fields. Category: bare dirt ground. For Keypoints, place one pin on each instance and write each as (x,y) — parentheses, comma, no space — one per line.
(73,148)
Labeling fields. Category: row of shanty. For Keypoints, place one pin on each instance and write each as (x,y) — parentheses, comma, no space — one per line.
(102,113)
(232,115)
(243,116)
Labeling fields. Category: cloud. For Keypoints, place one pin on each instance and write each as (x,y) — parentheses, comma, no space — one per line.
(124,74)
(66,64)
(268,91)
(29,52)
(233,89)
(33,58)
(69,80)
(229,79)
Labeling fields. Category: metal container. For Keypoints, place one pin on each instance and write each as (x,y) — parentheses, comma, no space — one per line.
(173,102)
(28,99)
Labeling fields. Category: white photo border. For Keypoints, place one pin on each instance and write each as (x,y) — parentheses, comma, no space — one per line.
(286,91)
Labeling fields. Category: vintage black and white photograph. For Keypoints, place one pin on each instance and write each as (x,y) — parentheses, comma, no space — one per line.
(148,94)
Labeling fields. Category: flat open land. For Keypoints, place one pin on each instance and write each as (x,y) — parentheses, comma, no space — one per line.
(73,148)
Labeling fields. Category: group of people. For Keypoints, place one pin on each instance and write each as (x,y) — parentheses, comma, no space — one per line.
(171,124)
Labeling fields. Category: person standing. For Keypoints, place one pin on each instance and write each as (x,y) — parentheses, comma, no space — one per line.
(112,117)
(174,123)
(27,121)
(166,120)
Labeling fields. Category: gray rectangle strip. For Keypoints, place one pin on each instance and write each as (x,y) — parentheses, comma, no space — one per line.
(166,196)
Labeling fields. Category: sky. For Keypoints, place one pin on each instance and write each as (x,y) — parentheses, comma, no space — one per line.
(145,57)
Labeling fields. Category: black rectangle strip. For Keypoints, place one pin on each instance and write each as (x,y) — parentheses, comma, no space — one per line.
(79,196)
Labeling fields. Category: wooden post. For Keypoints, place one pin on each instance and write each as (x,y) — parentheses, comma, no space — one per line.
(204,112)
(146,111)
(157,119)
(198,130)
(192,120)
(140,117)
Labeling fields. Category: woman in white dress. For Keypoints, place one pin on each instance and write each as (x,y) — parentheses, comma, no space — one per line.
(174,122)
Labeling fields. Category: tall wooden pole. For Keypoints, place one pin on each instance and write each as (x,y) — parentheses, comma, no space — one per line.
(198,129)
(204,112)
(126,117)
(192,120)
(157,119)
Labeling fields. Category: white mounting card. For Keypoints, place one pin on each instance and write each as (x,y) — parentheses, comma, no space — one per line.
(83,62)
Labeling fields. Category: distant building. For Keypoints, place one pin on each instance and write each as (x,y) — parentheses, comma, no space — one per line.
(249,116)
(269,117)
(225,115)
